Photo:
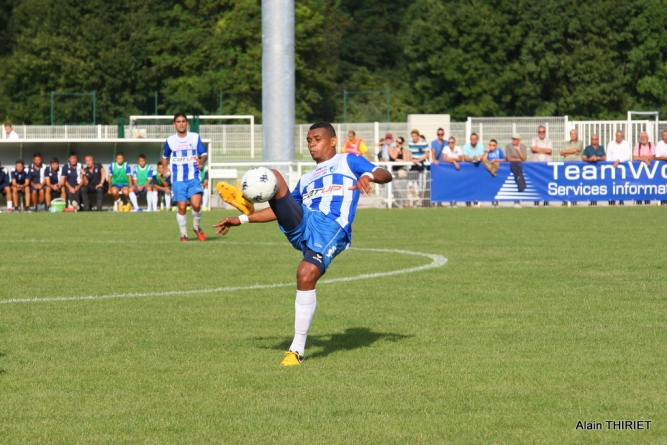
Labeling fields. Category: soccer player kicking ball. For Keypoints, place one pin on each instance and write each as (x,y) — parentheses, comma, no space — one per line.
(316,218)
(183,150)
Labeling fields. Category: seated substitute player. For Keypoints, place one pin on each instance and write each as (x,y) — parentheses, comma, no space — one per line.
(20,185)
(71,180)
(185,150)
(119,183)
(316,218)
(142,175)
(162,186)
(36,176)
(6,188)
(52,182)
(94,177)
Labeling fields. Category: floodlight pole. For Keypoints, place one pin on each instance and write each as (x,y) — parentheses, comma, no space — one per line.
(278,80)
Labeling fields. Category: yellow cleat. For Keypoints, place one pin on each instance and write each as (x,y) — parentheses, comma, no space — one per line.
(291,359)
(127,207)
(234,197)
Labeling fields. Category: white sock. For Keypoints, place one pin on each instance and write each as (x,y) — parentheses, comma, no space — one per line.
(167,201)
(205,203)
(154,200)
(182,220)
(304,309)
(133,199)
(196,218)
(10,205)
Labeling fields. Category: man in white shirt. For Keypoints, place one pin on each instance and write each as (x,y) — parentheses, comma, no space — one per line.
(661,148)
(618,151)
(661,154)
(10,133)
(452,153)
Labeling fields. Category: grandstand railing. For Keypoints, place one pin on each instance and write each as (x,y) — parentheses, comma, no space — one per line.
(233,142)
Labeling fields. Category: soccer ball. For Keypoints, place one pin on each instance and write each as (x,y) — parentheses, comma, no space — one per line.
(259,184)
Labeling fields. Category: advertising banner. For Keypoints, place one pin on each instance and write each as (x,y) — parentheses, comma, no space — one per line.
(551,181)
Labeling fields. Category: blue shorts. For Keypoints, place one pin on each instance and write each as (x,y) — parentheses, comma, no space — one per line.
(136,191)
(184,190)
(318,233)
(119,186)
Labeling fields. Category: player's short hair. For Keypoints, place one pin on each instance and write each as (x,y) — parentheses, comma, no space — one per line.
(20,161)
(88,156)
(473,134)
(37,155)
(177,115)
(71,153)
(331,132)
(120,153)
(54,160)
(493,140)
(353,132)
(141,156)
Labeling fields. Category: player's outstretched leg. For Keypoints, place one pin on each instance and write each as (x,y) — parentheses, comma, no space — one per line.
(195,203)
(304,309)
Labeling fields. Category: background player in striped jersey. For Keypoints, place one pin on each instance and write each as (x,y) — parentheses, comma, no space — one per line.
(316,218)
(142,175)
(53,182)
(184,150)
(119,182)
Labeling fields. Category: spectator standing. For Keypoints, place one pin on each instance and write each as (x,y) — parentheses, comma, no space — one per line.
(573,148)
(452,154)
(473,150)
(595,153)
(618,151)
(53,182)
(386,144)
(356,146)
(644,151)
(572,151)
(398,153)
(71,177)
(6,187)
(516,153)
(541,149)
(20,185)
(10,133)
(94,177)
(661,153)
(438,145)
(420,152)
(36,177)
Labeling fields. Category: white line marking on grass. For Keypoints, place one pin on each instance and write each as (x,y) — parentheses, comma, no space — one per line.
(436,261)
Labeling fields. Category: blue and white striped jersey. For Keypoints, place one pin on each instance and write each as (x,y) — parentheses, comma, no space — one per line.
(327,188)
(182,155)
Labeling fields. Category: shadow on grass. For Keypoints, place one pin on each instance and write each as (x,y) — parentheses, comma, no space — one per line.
(2,371)
(352,338)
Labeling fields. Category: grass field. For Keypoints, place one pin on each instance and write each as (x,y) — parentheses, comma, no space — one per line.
(539,319)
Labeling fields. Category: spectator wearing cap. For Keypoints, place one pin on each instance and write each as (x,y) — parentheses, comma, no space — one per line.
(473,150)
(385,144)
(438,145)
(516,153)
(9,132)
(356,146)
(6,187)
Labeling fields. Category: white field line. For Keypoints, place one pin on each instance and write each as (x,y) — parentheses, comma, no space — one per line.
(436,261)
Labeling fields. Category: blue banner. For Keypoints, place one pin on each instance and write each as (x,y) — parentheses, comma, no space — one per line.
(551,181)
